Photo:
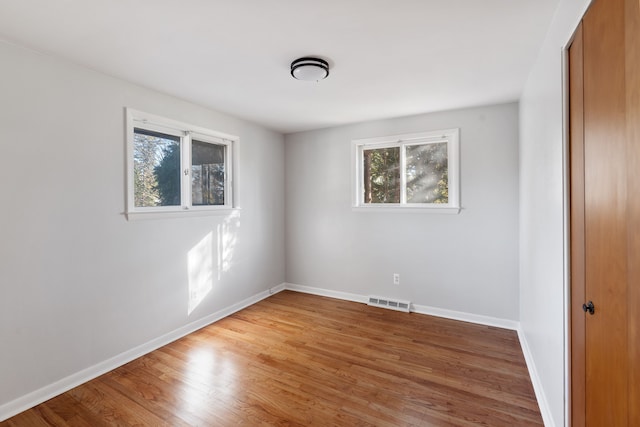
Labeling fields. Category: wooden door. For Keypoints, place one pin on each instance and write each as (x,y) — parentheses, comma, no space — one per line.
(576,231)
(632,89)
(604,75)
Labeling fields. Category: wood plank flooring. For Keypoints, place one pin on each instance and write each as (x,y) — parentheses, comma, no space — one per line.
(302,360)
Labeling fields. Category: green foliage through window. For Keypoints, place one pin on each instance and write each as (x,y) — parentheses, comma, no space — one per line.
(175,168)
(156,169)
(382,175)
(426,174)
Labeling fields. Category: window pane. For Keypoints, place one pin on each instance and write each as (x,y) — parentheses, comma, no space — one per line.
(427,173)
(156,169)
(382,175)
(207,173)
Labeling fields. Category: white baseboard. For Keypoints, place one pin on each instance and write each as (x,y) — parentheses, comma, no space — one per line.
(541,397)
(281,287)
(43,394)
(466,317)
(421,309)
(326,293)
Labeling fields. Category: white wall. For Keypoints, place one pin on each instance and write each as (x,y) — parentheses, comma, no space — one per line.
(542,282)
(466,262)
(78,282)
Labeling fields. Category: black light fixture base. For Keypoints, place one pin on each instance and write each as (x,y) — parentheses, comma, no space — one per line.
(310,69)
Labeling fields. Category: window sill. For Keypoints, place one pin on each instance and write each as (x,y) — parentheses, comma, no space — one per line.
(134,216)
(408,209)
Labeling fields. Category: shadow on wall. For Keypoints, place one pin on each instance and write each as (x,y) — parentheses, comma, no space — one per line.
(200,260)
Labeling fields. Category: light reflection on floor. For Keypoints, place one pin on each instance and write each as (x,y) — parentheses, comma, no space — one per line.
(208,370)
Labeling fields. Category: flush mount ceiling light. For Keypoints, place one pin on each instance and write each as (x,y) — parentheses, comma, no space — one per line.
(310,69)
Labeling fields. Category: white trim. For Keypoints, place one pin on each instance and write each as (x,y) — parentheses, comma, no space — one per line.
(417,137)
(449,136)
(326,293)
(466,317)
(162,122)
(566,224)
(420,309)
(272,291)
(185,213)
(45,393)
(186,133)
(541,397)
(406,209)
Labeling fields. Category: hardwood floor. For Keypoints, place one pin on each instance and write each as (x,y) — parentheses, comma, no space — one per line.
(302,360)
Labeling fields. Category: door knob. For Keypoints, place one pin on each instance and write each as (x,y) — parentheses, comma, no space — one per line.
(589,307)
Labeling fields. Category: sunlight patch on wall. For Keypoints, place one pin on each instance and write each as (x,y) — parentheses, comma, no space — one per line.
(227,237)
(200,266)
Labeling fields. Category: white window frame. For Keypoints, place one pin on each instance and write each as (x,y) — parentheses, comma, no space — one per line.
(187,133)
(450,136)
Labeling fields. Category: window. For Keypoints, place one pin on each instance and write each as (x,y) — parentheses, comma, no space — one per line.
(177,168)
(407,172)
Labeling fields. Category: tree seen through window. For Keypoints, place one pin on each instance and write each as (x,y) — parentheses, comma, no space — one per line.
(426,174)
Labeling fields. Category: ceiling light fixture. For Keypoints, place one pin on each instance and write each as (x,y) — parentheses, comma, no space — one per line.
(310,69)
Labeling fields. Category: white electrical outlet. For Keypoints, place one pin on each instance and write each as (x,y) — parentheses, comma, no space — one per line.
(396,278)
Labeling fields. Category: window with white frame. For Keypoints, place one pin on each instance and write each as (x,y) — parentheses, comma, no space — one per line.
(175,167)
(413,172)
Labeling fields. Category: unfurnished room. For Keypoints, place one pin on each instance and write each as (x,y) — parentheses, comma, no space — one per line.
(336,213)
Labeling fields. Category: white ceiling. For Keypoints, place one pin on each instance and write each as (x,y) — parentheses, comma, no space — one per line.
(388,58)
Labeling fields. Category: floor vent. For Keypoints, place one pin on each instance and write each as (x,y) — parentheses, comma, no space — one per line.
(389,303)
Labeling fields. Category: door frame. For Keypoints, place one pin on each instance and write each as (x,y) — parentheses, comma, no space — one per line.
(566,218)
(566,227)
